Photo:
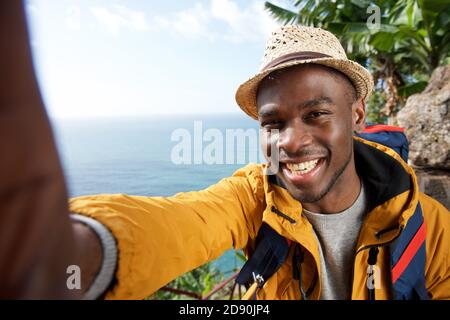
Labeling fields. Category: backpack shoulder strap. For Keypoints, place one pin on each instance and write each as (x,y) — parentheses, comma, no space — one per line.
(408,258)
(270,253)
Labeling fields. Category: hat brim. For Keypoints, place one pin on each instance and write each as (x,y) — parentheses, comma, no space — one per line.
(360,77)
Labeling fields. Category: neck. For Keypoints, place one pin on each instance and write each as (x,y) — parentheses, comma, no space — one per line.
(341,196)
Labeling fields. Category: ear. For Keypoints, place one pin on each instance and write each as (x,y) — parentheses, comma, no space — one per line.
(358,116)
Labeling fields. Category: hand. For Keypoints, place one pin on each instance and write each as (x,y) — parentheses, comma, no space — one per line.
(36,236)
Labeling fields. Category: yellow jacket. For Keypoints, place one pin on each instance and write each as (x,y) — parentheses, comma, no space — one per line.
(161,238)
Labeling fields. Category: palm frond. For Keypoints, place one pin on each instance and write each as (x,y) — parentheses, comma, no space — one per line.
(281,14)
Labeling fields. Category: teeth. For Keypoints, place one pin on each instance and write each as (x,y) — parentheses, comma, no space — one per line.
(302,168)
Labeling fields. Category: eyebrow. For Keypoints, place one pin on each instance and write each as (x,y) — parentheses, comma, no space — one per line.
(315,102)
(271,111)
(267,112)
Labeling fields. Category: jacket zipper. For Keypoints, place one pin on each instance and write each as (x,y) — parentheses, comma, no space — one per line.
(368,247)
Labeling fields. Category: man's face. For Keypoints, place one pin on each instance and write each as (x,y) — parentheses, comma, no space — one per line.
(316,114)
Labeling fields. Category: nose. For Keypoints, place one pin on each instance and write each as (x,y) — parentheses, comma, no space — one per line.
(294,137)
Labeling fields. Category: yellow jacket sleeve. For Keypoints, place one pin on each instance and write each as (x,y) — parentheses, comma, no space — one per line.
(161,238)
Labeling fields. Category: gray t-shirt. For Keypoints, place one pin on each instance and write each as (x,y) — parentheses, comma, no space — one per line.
(337,235)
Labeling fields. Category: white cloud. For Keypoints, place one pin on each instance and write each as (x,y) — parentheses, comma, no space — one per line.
(193,22)
(119,17)
(241,24)
(112,21)
(162,22)
(220,19)
(226,10)
(245,24)
(137,20)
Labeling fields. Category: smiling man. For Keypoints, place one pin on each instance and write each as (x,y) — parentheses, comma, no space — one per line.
(342,219)
(315,110)
(345,213)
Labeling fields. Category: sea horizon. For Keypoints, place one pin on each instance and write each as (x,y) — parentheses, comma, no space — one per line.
(132,155)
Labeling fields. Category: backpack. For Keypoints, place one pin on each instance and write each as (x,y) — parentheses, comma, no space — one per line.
(407,251)
(389,136)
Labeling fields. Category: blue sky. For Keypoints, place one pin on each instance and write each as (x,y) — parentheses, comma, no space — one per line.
(108,58)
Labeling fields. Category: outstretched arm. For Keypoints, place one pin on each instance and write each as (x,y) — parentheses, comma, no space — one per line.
(37,240)
(158,239)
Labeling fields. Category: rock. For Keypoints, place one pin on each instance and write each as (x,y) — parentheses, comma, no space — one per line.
(435,183)
(426,119)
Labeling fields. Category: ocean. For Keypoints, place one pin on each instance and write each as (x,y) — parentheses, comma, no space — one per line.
(135,156)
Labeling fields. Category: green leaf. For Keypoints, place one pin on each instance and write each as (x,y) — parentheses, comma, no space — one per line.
(417,35)
(383,41)
(410,89)
(410,12)
(363,4)
(280,14)
(207,284)
(444,18)
(434,5)
(240,256)
(360,27)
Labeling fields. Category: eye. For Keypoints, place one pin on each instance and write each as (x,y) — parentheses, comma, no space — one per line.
(316,114)
(271,124)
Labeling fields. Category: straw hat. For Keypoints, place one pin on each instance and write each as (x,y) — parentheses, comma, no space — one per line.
(293,45)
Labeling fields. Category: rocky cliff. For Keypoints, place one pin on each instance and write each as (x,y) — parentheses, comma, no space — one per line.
(426,118)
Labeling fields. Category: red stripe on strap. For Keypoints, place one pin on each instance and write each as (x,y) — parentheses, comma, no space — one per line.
(382,127)
(409,253)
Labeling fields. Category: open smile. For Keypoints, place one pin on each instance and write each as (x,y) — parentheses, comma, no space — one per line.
(302,172)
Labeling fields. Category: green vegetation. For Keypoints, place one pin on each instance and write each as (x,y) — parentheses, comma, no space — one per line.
(199,283)
(412,39)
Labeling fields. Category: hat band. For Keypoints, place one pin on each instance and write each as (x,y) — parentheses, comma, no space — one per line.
(296,56)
